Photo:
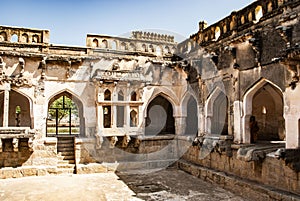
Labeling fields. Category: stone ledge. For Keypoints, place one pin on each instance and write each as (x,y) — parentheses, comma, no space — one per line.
(244,188)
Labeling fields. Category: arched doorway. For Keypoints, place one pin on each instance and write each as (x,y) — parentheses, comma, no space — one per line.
(65,116)
(267,108)
(160,118)
(192,117)
(264,101)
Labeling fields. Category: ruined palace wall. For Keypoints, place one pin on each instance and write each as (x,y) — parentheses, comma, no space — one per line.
(269,171)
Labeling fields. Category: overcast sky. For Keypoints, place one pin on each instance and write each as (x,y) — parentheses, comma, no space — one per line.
(70,20)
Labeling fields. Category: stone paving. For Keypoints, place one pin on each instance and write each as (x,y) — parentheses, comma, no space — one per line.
(170,184)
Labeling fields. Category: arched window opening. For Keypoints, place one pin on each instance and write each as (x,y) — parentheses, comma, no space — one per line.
(144,48)
(270,6)
(133,96)
(95,43)
(123,46)
(107,95)
(189,46)
(219,122)
(280,2)
(224,29)
(167,50)
(131,47)
(158,51)
(267,109)
(113,45)
(151,48)
(14,38)
(120,96)
(217,33)
(104,44)
(258,14)
(191,118)
(35,39)
(242,19)
(250,16)
(24,38)
(160,118)
(133,118)
(107,116)
(3,37)
(64,116)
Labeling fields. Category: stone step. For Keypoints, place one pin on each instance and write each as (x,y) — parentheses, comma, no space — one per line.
(66,151)
(65,170)
(63,149)
(68,157)
(65,142)
(62,145)
(66,165)
(70,153)
(66,161)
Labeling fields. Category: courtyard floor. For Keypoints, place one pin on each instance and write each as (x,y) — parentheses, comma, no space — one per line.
(170,184)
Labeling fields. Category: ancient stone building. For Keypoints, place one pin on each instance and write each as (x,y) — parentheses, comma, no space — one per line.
(147,102)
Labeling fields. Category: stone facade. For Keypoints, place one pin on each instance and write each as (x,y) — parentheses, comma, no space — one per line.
(231,90)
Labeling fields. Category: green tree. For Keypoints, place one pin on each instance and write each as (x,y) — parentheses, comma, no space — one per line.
(62,106)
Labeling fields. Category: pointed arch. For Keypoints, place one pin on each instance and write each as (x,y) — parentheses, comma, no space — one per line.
(23,117)
(107,95)
(265,101)
(120,95)
(65,114)
(216,113)
(133,96)
(190,111)
(159,119)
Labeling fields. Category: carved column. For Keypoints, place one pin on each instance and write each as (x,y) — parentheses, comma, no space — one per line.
(6,105)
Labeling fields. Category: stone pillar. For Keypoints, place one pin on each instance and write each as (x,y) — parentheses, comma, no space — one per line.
(114,116)
(201,122)
(237,121)
(100,118)
(127,116)
(292,132)
(180,124)
(6,105)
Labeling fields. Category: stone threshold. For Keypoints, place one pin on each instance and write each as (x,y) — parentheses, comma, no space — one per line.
(245,188)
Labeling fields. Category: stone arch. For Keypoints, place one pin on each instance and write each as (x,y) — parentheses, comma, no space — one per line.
(104,43)
(21,100)
(158,51)
(35,39)
(95,43)
(114,45)
(120,95)
(24,38)
(123,46)
(133,96)
(3,36)
(107,95)
(73,124)
(216,113)
(131,47)
(265,101)
(144,48)
(14,38)
(159,116)
(190,111)
(217,33)
(270,6)
(258,14)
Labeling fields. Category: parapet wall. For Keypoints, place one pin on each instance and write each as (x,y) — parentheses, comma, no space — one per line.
(24,35)
(240,20)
